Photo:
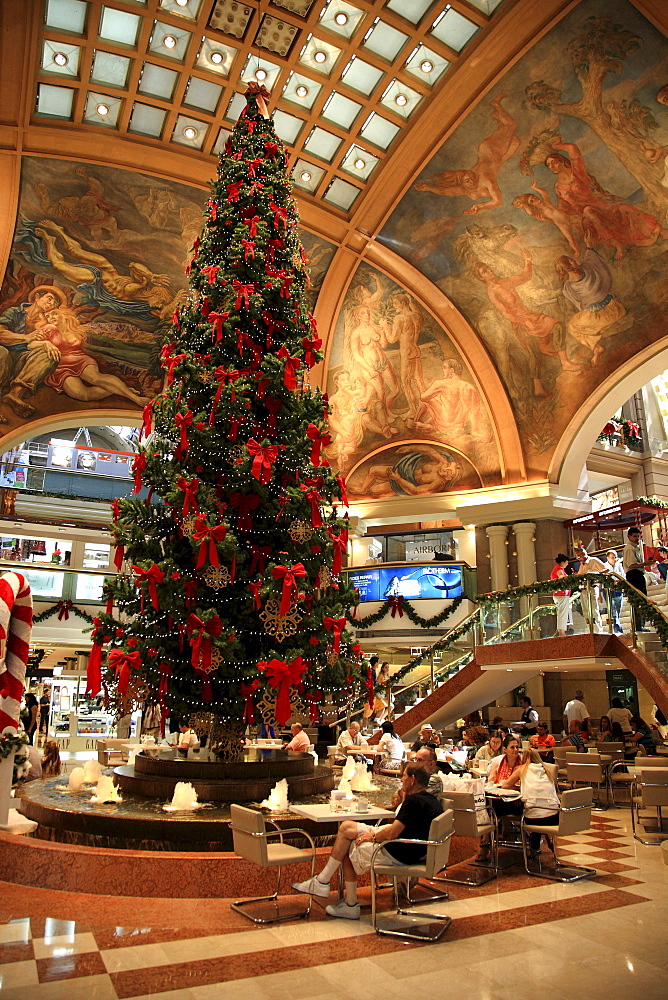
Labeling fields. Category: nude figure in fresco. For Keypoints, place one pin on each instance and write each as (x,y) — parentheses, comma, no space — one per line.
(535,331)
(345,419)
(480,181)
(90,209)
(539,206)
(365,347)
(422,470)
(140,285)
(606,218)
(405,329)
(451,407)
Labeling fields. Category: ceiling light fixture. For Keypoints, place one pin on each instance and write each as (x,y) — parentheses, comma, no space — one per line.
(305,176)
(260,74)
(216,57)
(341,18)
(60,59)
(360,164)
(301,90)
(182,3)
(401,100)
(319,56)
(169,42)
(102,110)
(426,65)
(190,132)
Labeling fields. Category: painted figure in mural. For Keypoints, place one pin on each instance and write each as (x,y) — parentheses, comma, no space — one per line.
(351,415)
(535,331)
(77,374)
(423,469)
(429,236)
(606,219)
(405,329)
(539,206)
(451,406)
(366,346)
(103,284)
(480,181)
(588,286)
(91,209)
(25,358)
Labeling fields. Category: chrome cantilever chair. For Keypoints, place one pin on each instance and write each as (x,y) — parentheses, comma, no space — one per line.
(466,825)
(649,791)
(251,841)
(587,773)
(574,817)
(437,852)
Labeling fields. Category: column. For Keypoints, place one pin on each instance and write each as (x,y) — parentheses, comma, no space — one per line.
(525,543)
(497,537)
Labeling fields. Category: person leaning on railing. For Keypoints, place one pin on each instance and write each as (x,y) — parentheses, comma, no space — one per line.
(561,598)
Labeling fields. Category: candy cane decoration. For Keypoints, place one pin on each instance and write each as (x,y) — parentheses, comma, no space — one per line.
(15,629)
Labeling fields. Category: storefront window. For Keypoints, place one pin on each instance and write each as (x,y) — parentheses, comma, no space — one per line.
(35,550)
(96,555)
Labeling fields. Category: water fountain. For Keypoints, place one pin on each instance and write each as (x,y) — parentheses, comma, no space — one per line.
(184,799)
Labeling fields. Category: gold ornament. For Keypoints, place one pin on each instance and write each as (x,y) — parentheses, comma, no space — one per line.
(216,660)
(297,261)
(189,524)
(280,626)
(331,656)
(324,577)
(235,454)
(266,705)
(300,531)
(216,576)
(206,378)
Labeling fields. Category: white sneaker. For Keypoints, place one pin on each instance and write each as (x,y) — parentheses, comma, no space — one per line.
(312,886)
(344,910)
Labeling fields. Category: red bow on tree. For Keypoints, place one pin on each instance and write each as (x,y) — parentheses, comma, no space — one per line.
(235,423)
(189,490)
(283,675)
(213,211)
(336,627)
(147,415)
(340,545)
(310,346)
(151,576)
(397,604)
(254,587)
(289,575)
(291,367)
(244,503)
(119,556)
(64,608)
(243,293)
(272,324)
(259,556)
(122,663)
(208,537)
(138,466)
(632,430)
(252,222)
(233,191)
(172,362)
(318,440)
(249,248)
(183,421)
(200,638)
(163,683)
(223,377)
(312,699)
(247,692)
(273,406)
(210,271)
(263,459)
(280,215)
(314,499)
(217,319)
(271,149)
(342,488)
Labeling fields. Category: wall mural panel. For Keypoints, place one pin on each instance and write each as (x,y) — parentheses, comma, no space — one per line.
(396,381)
(544,217)
(96,269)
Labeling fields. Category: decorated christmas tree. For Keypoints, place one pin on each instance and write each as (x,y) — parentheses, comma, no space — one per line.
(234,598)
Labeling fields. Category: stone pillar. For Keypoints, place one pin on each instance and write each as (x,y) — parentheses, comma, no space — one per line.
(525,543)
(497,536)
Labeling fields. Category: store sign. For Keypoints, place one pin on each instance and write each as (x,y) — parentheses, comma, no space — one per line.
(419,551)
(423,582)
(65,457)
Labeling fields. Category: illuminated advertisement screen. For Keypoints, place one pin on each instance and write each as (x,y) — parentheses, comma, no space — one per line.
(430,581)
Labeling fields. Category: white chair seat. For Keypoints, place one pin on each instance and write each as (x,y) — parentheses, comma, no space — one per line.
(285,854)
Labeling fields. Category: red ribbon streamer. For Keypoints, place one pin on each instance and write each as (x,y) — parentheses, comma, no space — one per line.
(122,663)
(340,545)
(254,586)
(283,675)
(244,503)
(336,626)
(208,537)
(217,319)
(259,556)
(290,370)
(200,638)
(318,440)
(147,416)
(247,692)
(151,576)
(289,575)
(183,421)
(138,466)
(119,556)
(263,459)
(243,293)
(189,490)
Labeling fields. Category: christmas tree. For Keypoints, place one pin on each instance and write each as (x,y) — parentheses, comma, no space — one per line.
(234,594)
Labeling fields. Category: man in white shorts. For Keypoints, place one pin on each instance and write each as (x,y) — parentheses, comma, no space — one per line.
(356,842)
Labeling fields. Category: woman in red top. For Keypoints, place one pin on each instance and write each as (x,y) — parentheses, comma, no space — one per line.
(561,598)
(500,771)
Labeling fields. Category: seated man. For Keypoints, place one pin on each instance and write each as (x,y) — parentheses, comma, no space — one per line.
(348,740)
(542,739)
(574,738)
(355,843)
(427,738)
(300,743)
(188,738)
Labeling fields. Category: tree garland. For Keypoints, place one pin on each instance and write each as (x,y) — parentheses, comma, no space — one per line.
(405,608)
(63,609)
(11,743)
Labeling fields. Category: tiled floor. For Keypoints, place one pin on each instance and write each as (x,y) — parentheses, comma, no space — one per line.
(514,937)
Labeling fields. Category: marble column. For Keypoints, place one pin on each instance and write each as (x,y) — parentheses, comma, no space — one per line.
(497,537)
(525,543)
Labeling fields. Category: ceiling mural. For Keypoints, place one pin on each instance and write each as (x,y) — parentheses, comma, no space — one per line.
(395,378)
(544,217)
(96,269)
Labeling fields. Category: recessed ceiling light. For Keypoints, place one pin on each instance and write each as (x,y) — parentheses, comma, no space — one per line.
(305,176)
(60,59)
(319,56)
(260,74)
(182,3)
(102,109)
(426,65)
(360,164)
(341,18)
(190,132)
(301,90)
(169,41)
(216,57)
(401,100)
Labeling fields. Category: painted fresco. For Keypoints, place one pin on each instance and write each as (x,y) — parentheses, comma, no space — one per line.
(410,470)
(544,217)
(395,377)
(96,269)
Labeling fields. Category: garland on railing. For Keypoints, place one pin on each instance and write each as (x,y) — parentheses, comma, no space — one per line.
(400,606)
(652,502)
(63,609)
(11,743)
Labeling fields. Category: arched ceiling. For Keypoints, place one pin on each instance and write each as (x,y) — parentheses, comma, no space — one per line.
(340,118)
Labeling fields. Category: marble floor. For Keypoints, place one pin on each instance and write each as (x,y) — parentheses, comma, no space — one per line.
(514,937)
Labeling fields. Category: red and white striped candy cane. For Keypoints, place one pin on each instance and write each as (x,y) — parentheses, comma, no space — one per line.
(16,628)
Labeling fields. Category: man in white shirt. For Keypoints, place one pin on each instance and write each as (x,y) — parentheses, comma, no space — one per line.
(589,597)
(575,711)
(348,740)
(300,743)
(634,567)
(188,738)
(617,713)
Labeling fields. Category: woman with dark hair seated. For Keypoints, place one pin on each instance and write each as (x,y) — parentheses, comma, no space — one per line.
(393,749)
(642,735)
(501,770)
(604,730)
